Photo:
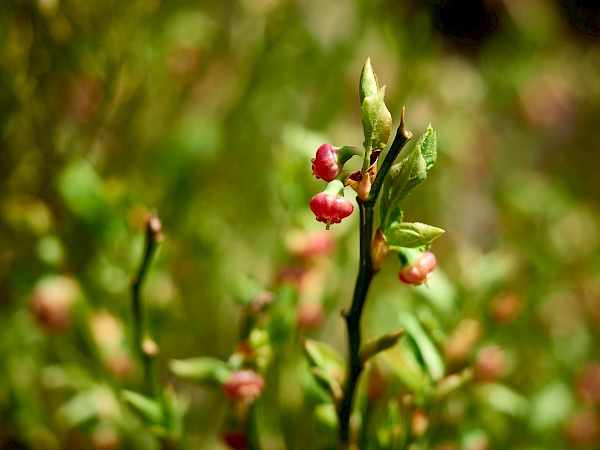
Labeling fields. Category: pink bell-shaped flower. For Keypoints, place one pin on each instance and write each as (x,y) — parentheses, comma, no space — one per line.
(330,206)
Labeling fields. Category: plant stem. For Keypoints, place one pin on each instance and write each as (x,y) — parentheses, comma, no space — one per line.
(146,346)
(361,288)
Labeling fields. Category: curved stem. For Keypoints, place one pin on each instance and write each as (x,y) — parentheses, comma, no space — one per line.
(143,339)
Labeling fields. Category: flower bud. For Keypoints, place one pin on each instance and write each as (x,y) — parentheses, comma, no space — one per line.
(310,244)
(330,206)
(310,315)
(490,364)
(326,164)
(419,271)
(243,386)
(52,302)
(330,160)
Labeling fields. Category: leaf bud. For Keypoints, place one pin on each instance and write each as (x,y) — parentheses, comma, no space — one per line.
(379,250)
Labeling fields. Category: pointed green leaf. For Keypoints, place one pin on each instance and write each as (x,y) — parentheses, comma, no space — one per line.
(411,235)
(402,178)
(428,145)
(328,383)
(324,357)
(205,370)
(175,407)
(377,121)
(368,82)
(147,408)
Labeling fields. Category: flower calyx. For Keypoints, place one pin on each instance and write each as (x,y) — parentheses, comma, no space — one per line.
(362,183)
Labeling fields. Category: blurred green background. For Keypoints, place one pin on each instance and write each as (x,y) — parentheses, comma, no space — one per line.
(209,113)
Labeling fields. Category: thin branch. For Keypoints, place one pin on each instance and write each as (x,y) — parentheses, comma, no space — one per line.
(144,342)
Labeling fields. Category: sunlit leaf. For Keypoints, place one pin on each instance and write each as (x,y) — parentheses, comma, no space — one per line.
(411,235)
(402,178)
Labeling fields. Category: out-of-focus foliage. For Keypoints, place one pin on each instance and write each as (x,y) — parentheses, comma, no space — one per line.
(209,112)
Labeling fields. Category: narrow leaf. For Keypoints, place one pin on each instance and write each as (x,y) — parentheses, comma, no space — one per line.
(147,408)
(330,384)
(325,358)
(207,371)
(411,234)
(429,353)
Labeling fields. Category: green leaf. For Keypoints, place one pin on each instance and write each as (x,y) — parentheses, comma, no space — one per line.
(79,409)
(428,145)
(324,357)
(205,370)
(147,408)
(428,352)
(175,407)
(402,178)
(377,121)
(327,382)
(411,235)
(368,82)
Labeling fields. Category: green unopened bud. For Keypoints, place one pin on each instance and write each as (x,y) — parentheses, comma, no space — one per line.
(368,81)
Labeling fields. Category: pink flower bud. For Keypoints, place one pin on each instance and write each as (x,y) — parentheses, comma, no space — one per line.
(420,271)
(310,315)
(326,164)
(52,302)
(330,206)
(243,386)
(490,364)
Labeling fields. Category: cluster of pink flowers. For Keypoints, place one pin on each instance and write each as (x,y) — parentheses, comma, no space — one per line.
(330,206)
